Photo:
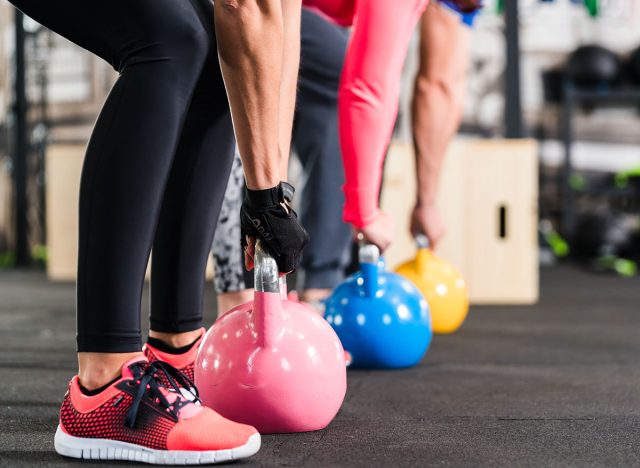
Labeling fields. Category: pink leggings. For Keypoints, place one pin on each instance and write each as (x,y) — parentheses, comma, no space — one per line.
(368,97)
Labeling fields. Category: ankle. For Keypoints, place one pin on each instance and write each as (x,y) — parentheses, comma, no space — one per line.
(177,340)
(99,369)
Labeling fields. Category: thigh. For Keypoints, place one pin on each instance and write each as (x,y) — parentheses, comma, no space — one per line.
(210,91)
(116,29)
(87,24)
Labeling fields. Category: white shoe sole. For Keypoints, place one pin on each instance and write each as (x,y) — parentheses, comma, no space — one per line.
(106,449)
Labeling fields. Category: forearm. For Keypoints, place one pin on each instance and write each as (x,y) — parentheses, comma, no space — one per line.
(250,37)
(435,121)
(438,94)
(290,65)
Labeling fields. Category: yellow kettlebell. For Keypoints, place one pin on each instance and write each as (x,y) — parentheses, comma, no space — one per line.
(442,286)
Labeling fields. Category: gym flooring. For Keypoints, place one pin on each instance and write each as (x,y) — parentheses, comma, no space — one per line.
(554,384)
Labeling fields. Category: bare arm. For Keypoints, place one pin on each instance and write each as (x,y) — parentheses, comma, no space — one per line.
(250,35)
(259,48)
(289,82)
(437,108)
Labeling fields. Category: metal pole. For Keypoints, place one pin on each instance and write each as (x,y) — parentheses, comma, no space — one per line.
(568,195)
(20,145)
(513,109)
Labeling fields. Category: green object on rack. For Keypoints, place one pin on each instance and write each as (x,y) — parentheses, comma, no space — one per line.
(622,177)
(555,241)
(593,7)
(40,253)
(7,259)
(622,266)
(559,246)
(578,182)
(500,7)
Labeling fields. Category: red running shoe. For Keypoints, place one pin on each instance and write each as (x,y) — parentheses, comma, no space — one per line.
(184,362)
(138,419)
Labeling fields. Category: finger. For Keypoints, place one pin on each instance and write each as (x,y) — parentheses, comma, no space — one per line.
(377,241)
(285,263)
(248,261)
(385,245)
(249,253)
(413,228)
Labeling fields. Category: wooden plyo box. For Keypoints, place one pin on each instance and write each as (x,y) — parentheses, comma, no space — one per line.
(488,197)
(64,167)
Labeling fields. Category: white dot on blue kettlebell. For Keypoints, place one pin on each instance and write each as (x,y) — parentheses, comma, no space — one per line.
(407,286)
(403,312)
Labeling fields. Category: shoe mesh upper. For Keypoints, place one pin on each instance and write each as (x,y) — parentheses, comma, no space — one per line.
(108,422)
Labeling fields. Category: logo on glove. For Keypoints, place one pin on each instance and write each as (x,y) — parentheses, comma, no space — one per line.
(261,229)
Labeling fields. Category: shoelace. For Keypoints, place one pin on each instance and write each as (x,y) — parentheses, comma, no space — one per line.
(177,378)
(147,383)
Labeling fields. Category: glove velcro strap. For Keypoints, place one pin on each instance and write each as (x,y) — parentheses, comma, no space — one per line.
(264,198)
(288,191)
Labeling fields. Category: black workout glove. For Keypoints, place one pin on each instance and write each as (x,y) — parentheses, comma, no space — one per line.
(267,215)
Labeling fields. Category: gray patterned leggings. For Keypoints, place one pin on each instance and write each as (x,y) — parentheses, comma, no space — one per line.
(226,249)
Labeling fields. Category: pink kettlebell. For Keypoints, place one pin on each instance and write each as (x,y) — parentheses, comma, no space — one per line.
(272,363)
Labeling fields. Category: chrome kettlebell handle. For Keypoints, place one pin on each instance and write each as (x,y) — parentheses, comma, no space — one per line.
(367,253)
(369,256)
(266,274)
(422,241)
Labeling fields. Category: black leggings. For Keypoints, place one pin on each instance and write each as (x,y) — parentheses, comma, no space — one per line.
(156,166)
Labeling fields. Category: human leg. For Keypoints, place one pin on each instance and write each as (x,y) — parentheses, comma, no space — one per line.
(233,284)
(317,144)
(159,50)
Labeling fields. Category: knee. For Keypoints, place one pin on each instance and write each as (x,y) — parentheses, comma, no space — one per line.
(178,45)
(192,45)
(441,87)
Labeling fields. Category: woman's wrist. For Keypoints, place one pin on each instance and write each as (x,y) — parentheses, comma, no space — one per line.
(263,181)
(425,200)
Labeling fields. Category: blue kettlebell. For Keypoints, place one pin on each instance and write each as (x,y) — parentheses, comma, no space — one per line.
(381,318)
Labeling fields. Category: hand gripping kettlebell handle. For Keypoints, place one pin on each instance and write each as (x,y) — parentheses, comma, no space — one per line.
(266,274)
(369,256)
(424,253)
(367,253)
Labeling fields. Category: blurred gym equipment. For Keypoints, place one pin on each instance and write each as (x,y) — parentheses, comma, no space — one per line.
(593,65)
